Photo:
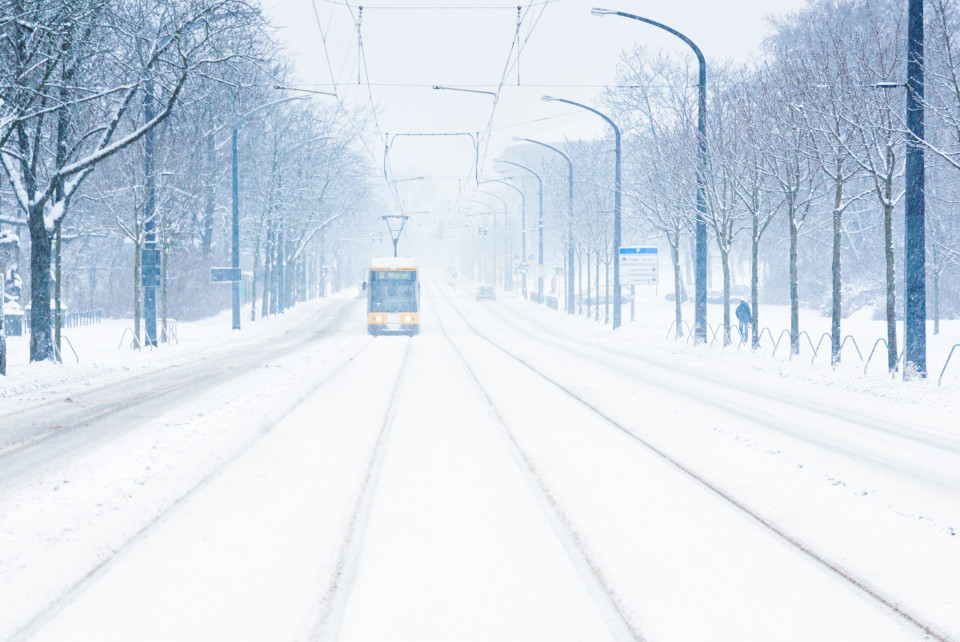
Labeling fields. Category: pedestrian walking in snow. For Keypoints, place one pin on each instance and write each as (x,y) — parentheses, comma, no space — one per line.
(745,318)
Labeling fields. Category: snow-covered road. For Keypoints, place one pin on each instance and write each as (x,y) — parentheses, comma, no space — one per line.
(496,477)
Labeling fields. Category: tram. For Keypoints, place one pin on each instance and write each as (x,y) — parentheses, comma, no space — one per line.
(393,296)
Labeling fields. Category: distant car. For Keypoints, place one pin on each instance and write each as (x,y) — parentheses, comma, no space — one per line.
(486,292)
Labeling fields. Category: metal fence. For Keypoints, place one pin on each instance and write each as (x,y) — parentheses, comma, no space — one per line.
(815,349)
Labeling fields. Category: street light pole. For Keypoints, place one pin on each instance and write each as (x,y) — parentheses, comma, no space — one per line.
(539,226)
(700,309)
(523,227)
(492,240)
(616,204)
(569,217)
(915,299)
(496,261)
(236,202)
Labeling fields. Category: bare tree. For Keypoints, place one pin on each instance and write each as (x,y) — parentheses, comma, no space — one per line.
(148,46)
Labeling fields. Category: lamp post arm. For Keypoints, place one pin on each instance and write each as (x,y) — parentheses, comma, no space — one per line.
(696,49)
(610,122)
(266,106)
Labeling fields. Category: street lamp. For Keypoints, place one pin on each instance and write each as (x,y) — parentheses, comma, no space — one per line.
(616,204)
(700,306)
(539,225)
(523,227)
(569,217)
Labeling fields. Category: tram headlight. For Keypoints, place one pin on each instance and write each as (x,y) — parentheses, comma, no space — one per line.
(378,319)
(408,319)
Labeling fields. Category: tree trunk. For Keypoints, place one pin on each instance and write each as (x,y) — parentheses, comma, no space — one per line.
(677,288)
(936,302)
(58,292)
(589,282)
(268,273)
(725,265)
(606,293)
(164,256)
(794,289)
(3,335)
(597,313)
(755,284)
(136,289)
(209,196)
(253,281)
(892,356)
(41,322)
(836,287)
(278,269)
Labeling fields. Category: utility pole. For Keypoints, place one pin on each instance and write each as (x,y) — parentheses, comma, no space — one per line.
(915,295)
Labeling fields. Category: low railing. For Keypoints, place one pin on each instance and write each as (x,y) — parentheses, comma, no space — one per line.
(77,319)
(949,356)
(815,349)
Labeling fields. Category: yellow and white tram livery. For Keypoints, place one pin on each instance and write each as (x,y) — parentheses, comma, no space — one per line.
(393,296)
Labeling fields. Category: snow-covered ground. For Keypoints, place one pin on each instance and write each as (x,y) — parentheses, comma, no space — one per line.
(511,473)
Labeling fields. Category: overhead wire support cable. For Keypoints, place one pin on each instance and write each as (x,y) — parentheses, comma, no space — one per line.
(333,79)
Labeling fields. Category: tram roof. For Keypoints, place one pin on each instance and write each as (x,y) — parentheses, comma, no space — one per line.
(393,263)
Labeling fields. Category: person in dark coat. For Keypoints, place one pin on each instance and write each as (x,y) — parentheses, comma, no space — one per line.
(744,317)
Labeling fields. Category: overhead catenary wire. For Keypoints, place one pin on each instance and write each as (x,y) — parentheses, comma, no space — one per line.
(333,79)
(503,7)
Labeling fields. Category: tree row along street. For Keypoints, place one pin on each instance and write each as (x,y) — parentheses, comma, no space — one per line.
(494,481)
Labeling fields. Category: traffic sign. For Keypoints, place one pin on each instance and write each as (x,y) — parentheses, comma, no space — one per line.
(639,265)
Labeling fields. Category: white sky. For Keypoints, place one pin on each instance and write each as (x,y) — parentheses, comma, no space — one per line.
(565,52)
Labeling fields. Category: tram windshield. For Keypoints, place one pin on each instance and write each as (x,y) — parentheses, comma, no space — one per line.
(393,291)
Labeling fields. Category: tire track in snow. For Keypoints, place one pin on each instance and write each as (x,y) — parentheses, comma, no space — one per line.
(860,585)
(37,435)
(43,616)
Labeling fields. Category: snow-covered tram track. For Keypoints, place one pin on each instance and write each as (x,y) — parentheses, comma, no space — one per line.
(41,434)
(859,584)
(337,594)
(731,398)
(605,599)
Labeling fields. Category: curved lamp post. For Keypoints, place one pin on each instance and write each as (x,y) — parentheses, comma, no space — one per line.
(569,217)
(700,298)
(539,225)
(616,204)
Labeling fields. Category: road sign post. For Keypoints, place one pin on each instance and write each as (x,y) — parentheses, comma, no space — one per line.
(639,266)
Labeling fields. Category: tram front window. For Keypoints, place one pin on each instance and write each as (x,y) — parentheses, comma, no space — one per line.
(393,296)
